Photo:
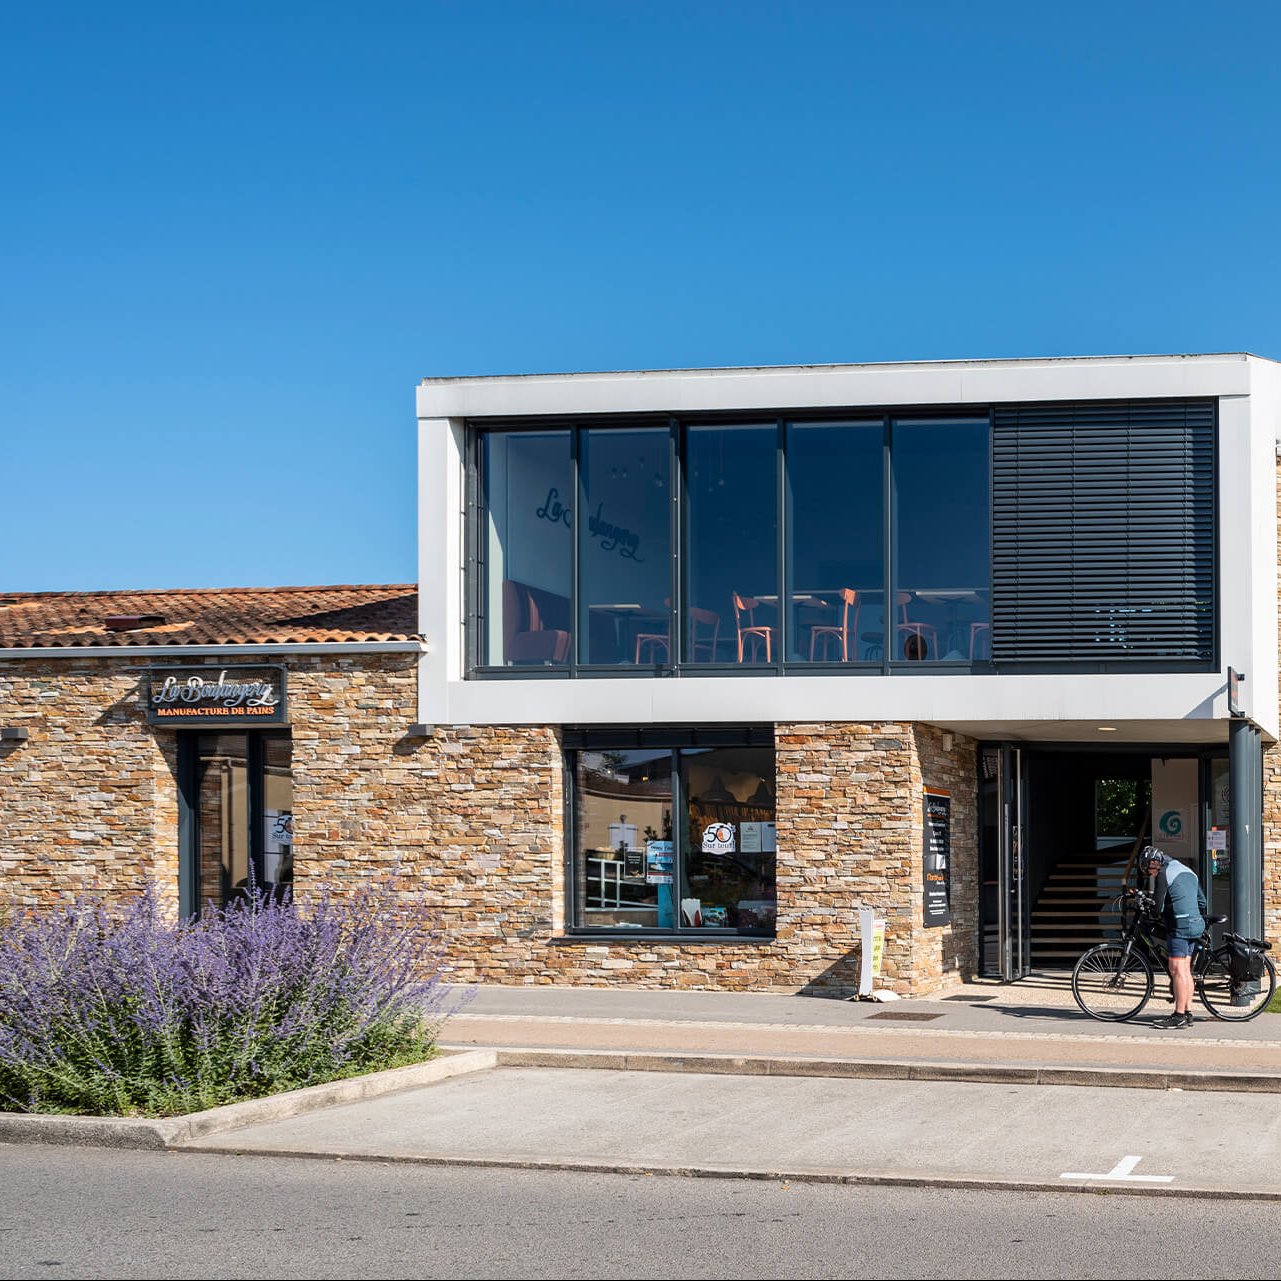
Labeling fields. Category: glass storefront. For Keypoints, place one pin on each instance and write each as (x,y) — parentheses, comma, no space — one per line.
(636,866)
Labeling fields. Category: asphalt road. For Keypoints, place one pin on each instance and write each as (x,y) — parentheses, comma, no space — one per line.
(93,1213)
(1215,1142)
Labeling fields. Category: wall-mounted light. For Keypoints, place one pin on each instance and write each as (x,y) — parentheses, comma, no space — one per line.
(419,730)
(948,740)
(14,734)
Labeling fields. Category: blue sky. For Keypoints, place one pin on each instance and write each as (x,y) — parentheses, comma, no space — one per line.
(233,238)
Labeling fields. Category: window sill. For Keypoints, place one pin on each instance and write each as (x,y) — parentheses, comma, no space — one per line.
(649,938)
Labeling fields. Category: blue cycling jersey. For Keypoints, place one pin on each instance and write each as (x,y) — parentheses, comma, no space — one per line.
(1179,899)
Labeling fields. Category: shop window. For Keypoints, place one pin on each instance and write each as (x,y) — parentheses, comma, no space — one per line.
(239,826)
(674,838)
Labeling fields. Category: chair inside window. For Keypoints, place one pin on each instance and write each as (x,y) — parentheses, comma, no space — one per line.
(980,641)
(704,634)
(835,640)
(919,640)
(704,637)
(535,624)
(751,635)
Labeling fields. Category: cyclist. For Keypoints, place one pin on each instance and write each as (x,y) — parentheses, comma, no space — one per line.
(1183,907)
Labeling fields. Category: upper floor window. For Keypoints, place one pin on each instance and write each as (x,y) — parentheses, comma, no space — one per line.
(1062,535)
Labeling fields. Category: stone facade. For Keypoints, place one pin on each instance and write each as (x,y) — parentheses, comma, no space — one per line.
(475,816)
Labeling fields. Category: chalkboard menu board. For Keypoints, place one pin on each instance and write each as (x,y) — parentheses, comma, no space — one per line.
(938,858)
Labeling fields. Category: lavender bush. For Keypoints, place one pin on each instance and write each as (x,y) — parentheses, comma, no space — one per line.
(117,1010)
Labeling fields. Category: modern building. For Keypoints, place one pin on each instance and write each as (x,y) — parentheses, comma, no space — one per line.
(704,662)
(943,640)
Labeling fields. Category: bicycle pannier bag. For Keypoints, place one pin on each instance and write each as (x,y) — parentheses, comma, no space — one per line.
(1245,963)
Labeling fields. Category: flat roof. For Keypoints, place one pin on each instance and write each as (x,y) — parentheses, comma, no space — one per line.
(781,389)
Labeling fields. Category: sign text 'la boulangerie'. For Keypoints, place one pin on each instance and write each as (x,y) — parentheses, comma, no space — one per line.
(204,696)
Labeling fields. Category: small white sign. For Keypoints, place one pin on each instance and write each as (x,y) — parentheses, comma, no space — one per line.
(756,838)
(718,838)
(1216,838)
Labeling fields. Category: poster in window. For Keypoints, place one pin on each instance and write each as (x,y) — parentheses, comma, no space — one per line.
(938,857)
(658,862)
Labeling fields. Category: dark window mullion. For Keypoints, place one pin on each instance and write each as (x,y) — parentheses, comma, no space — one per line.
(677,613)
(888,567)
(577,638)
(781,574)
(680,822)
(256,794)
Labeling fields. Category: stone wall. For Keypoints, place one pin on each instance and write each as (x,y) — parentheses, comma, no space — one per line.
(89,801)
(475,818)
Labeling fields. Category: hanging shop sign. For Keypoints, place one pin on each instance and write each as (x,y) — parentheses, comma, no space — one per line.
(938,857)
(216,696)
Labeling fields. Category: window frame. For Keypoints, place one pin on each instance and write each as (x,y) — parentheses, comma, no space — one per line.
(678,427)
(674,740)
(191,896)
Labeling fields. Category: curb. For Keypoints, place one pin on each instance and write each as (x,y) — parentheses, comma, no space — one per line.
(891,1069)
(159,1134)
(850,1178)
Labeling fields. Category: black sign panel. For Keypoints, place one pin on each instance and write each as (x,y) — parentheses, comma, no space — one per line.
(216,696)
(938,858)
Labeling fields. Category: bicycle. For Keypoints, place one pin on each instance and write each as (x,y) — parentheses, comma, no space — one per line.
(1113,981)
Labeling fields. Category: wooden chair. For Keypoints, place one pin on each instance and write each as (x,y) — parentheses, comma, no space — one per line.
(699,640)
(920,640)
(979,640)
(828,632)
(754,632)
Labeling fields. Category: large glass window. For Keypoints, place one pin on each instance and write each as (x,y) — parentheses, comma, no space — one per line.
(835,541)
(731,545)
(942,557)
(624,547)
(882,557)
(526,548)
(636,868)
(242,820)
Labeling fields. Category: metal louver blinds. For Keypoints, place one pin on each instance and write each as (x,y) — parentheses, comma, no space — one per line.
(1103,533)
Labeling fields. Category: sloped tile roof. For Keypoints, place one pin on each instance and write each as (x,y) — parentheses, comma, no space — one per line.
(231,616)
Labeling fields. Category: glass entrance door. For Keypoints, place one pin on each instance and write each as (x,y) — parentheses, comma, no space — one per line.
(239,823)
(1016,940)
(1005,911)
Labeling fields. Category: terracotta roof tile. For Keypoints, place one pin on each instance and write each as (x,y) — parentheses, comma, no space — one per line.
(211,616)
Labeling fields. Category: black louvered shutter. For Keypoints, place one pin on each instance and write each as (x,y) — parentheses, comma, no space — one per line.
(1103,532)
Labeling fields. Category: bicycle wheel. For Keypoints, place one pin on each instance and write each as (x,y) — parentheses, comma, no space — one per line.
(1111,985)
(1234,1002)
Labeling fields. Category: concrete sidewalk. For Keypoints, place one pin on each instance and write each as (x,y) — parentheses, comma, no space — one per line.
(1023,1031)
(988,1086)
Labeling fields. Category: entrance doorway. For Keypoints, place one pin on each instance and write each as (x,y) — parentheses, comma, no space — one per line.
(1060,830)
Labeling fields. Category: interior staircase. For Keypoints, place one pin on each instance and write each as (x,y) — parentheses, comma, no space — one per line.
(1074,909)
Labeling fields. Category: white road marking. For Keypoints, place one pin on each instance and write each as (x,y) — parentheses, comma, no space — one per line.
(1122,1171)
